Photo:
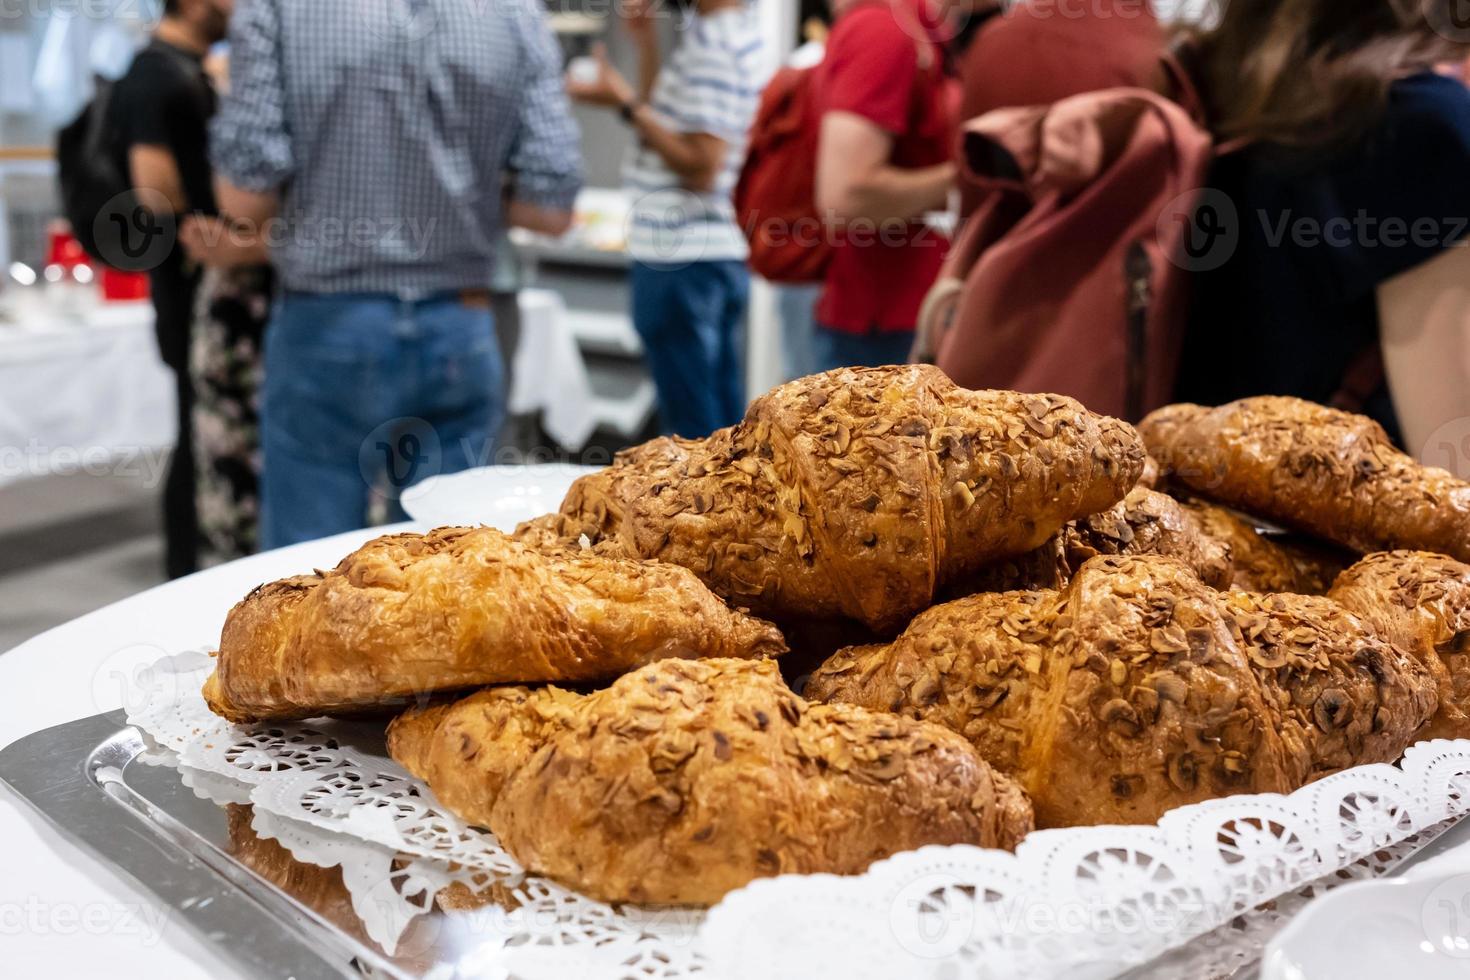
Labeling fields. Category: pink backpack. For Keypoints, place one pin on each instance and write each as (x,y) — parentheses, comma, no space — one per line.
(1071,277)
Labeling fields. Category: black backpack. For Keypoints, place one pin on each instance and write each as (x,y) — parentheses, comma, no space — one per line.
(92,186)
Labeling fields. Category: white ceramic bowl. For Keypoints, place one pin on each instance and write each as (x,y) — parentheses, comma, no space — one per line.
(500,496)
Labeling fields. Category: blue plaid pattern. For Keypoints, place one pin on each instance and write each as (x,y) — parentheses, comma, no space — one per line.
(391,129)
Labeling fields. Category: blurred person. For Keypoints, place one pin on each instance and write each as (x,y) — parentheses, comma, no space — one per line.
(159,115)
(1337,232)
(883,162)
(230,311)
(381,150)
(689,282)
(1036,53)
(796,302)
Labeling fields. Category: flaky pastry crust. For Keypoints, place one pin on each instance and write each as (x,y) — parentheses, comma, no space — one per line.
(1326,472)
(685,780)
(1143,523)
(1419,602)
(408,615)
(1139,689)
(858,493)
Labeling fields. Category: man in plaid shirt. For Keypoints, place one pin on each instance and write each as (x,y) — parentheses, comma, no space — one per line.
(381,148)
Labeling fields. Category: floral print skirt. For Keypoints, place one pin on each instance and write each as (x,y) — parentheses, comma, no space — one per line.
(230,317)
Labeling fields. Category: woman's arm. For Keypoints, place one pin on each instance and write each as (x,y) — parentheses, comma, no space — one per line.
(1424,316)
(696,158)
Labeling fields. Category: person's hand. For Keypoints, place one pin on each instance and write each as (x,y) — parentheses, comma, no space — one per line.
(609,89)
(219,243)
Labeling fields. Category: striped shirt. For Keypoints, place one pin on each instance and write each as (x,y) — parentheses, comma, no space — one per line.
(389,130)
(710,84)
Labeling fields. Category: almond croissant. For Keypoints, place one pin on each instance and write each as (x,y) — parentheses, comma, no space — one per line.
(1139,689)
(1330,473)
(409,614)
(1142,523)
(687,779)
(858,493)
(1420,603)
(1268,563)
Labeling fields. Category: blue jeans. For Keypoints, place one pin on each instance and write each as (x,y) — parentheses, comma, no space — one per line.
(367,393)
(836,349)
(692,322)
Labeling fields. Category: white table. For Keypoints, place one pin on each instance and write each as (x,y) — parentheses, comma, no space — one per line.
(549,377)
(94,397)
(62,914)
(89,397)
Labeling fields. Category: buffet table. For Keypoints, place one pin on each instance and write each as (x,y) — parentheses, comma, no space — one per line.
(61,913)
(91,396)
(87,396)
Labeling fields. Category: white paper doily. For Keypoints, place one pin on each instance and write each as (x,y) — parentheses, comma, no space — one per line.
(1089,901)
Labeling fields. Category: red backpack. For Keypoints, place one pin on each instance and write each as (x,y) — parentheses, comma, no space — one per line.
(775,199)
(1071,276)
(776,196)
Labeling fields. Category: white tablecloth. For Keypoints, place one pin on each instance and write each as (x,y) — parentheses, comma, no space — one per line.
(550,377)
(95,398)
(62,914)
(90,397)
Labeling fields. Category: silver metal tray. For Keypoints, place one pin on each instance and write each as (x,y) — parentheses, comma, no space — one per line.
(85,777)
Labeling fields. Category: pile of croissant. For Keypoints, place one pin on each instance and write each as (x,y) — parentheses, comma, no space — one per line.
(1008,612)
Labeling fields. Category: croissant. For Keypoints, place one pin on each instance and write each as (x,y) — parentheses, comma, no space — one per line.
(686,779)
(1139,689)
(858,493)
(1142,523)
(409,614)
(1267,563)
(1326,472)
(1420,603)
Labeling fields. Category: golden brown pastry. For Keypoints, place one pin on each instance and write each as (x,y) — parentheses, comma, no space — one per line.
(1139,689)
(407,615)
(686,779)
(1326,472)
(1268,562)
(1143,523)
(1420,603)
(858,493)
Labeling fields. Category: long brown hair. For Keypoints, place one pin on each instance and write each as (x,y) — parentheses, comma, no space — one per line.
(1317,72)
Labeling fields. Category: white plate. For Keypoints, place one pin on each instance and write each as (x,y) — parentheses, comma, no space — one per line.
(500,496)
(1397,927)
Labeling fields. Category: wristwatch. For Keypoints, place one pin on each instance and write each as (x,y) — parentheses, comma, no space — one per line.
(627,109)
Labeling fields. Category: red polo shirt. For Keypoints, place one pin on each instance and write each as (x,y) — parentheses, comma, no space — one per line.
(876,281)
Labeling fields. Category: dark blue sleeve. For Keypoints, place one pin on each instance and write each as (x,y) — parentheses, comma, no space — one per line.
(1403,195)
